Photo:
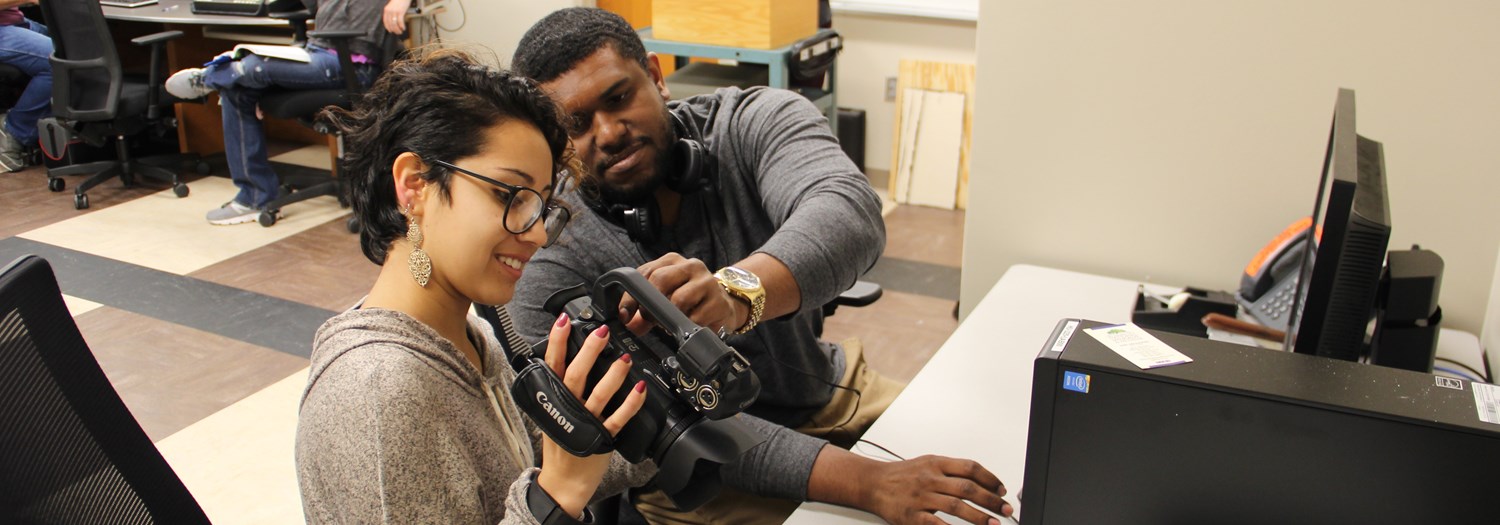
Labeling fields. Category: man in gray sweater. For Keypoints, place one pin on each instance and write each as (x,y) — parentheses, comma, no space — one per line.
(750,183)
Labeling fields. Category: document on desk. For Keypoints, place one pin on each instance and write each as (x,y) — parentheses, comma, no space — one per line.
(1137,346)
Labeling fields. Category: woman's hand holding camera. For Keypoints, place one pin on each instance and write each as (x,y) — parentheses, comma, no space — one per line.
(569,479)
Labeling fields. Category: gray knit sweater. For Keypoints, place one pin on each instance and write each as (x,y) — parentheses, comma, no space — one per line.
(396,426)
(783,187)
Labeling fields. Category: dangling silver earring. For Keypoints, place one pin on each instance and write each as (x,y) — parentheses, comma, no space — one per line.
(419,263)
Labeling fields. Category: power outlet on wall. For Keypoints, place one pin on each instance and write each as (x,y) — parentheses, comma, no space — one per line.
(890,89)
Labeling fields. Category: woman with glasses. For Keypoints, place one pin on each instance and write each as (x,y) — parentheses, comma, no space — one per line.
(407,416)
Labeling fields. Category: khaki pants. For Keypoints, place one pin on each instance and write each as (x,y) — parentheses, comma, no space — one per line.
(733,506)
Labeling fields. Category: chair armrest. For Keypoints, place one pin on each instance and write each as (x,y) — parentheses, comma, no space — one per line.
(156,38)
(335,34)
(298,20)
(157,42)
(298,15)
(863,293)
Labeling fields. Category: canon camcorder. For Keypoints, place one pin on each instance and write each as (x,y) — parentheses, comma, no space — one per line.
(694,384)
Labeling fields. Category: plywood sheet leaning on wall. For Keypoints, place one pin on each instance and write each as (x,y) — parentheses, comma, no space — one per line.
(934,76)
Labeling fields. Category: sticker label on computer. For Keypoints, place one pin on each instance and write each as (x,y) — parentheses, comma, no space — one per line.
(1487,402)
(1064,336)
(1077,382)
(1137,346)
(1448,382)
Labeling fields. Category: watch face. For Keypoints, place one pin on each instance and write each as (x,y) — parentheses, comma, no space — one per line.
(740,278)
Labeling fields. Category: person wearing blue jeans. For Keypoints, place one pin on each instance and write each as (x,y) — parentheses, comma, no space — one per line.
(25,45)
(242,82)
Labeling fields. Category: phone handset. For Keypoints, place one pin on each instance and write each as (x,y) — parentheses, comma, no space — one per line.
(1270,281)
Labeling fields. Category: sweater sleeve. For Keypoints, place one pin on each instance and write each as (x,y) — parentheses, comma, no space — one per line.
(829,230)
(778,468)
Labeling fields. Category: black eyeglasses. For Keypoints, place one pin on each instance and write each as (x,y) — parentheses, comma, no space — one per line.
(525,206)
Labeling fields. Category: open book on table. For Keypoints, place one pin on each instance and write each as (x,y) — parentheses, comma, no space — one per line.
(295,54)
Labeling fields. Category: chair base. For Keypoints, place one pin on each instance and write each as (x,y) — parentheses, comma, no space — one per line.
(300,192)
(123,167)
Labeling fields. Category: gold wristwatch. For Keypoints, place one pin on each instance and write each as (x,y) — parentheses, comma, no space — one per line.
(745,286)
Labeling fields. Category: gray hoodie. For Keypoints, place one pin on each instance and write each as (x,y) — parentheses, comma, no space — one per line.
(396,426)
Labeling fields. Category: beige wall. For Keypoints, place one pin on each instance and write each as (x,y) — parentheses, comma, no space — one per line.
(498,24)
(874,46)
(1168,140)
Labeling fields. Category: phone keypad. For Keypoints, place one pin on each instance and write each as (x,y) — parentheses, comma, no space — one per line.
(1278,301)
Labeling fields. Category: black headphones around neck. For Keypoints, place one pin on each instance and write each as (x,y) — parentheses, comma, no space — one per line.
(691,168)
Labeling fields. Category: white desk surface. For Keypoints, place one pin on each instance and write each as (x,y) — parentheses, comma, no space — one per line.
(972,398)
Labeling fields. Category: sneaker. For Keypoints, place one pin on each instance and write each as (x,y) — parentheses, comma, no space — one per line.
(12,154)
(232,213)
(188,84)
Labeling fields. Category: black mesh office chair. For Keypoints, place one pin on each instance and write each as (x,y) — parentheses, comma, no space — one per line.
(304,106)
(70,451)
(95,102)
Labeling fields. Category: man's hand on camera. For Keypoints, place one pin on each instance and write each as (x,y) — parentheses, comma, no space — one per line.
(692,288)
(569,479)
(910,491)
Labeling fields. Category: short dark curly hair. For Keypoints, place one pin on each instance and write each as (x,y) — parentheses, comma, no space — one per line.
(564,38)
(434,104)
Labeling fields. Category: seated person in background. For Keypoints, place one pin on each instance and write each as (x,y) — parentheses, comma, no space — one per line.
(784,204)
(242,82)
(407,416)
(25,45)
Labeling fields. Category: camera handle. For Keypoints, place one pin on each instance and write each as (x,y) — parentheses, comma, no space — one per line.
(699,350)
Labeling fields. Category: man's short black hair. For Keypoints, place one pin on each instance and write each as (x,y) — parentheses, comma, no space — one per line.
(561,40)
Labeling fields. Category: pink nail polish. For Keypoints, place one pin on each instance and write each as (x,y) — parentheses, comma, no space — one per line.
(602,331)
(640,386)
(562,320)
(625,358)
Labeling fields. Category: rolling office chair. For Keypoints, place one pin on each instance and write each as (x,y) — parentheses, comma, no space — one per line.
(70,452)
(305,105)
(93,101)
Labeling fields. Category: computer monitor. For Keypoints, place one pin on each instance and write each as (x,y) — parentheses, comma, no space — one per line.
(1335,299)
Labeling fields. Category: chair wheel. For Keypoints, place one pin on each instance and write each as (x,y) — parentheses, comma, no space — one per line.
(203,168)
(180,190)
(80,202)
(352,224)
(267,218)
(56,185)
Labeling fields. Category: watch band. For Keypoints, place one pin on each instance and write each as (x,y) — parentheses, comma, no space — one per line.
(547,511)
(755,296)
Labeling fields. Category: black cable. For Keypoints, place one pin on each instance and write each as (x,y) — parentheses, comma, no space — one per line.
(858,396)
(1481,375)
(886,450)
(1484,356)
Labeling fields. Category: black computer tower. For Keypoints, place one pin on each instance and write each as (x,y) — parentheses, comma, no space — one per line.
(1251,435)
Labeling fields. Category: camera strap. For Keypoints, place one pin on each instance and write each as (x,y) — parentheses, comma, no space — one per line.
(543,397)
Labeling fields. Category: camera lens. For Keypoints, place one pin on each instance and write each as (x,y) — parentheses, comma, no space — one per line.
(708,398)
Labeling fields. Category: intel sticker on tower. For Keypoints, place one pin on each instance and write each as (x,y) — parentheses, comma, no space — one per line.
(1075,381)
